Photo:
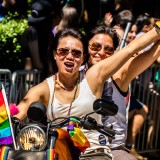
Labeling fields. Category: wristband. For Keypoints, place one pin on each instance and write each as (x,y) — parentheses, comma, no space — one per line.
(157,26)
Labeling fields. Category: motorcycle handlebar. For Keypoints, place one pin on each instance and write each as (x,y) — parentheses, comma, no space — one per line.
(59,124)
(87,123)
(106,130)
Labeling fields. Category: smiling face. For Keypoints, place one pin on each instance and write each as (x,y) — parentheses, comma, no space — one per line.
(106,50)
(69,55)
(131,34)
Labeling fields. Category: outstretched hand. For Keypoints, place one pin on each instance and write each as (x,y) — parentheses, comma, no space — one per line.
(13,109)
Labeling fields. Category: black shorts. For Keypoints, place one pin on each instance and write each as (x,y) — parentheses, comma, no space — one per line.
(135,104)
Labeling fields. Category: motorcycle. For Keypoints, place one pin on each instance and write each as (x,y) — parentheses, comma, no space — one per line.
(40,138)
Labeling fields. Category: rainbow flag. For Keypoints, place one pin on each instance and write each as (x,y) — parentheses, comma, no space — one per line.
(4,150)
(5,130)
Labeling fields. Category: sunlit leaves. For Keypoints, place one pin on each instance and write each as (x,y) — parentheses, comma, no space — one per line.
(11,30)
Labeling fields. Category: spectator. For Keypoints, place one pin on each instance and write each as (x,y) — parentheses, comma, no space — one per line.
(3,9)
(145,80)
(121,5)
(36,37)
(138,111)
(70,18)
(122,18)
(137,115)
(95,12)
(144,25)
(19,6)
(120,22)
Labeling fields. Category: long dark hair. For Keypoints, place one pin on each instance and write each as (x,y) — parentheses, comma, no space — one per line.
(141,21)
(61,34)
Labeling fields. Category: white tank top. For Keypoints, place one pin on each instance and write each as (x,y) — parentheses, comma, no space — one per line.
(82,105)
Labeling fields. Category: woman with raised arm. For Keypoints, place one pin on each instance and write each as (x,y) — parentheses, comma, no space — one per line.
(102,45)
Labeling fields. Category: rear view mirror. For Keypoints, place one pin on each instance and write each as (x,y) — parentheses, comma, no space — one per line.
(105,107)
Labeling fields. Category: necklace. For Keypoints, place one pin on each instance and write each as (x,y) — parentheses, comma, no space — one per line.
(67,89)
(70,106)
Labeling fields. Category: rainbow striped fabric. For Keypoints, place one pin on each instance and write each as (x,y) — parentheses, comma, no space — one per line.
(78,138)
(5,131)
(51,154)
(4,150)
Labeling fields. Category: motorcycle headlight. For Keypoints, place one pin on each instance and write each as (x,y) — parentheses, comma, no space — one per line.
(32,138)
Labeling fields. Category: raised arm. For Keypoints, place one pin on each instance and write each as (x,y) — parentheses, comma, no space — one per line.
(98,73)
(158,60)
(135,66)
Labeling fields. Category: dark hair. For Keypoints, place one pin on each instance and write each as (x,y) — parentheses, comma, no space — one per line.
(141,21)
(103,29)
(73,32)
(70,18)
(122,18)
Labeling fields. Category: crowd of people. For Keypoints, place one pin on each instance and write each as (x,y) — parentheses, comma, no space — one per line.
(82,60)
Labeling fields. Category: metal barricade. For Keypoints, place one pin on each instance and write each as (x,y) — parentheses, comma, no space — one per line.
(22,81)
(146,88)
(6,81)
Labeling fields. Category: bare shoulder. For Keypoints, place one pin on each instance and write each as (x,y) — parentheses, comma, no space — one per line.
(39,92)
(42,88)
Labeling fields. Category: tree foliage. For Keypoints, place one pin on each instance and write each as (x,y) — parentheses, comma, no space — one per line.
(11,30)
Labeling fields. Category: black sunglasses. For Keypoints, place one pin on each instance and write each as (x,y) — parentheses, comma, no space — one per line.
(62,52)
(97,47)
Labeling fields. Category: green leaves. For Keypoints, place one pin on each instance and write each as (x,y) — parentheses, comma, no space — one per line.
(11,31)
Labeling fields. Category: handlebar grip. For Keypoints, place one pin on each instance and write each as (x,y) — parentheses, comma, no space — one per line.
(63,122)
(60,123)
(110,131)
(107,131)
